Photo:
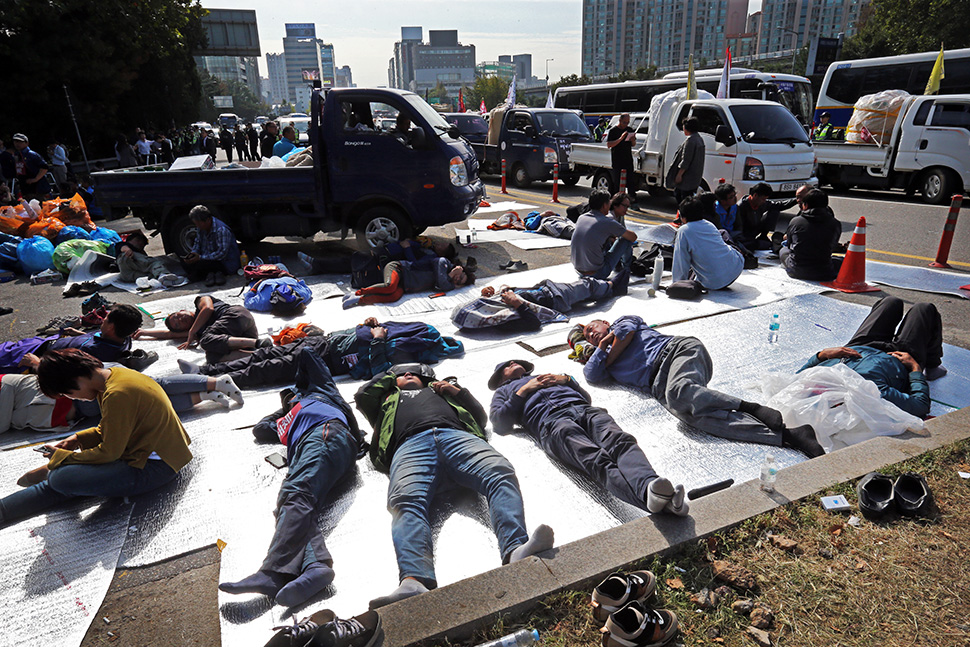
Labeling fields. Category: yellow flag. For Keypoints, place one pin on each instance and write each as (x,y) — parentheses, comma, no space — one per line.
(692,82)
(937,75)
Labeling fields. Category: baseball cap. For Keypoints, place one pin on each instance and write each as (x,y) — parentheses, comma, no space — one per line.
(496,380)
(20,137)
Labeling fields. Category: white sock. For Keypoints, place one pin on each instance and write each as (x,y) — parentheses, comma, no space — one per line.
(542,539)
(678,504)
(659,494)
(216,396)
(225,384)
(188,367)
(408,589)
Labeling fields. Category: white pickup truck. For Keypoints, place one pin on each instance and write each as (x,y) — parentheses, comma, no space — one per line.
(928,151)
(748,141)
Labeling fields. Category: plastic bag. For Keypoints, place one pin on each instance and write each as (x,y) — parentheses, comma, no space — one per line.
(36,254)
(874,117)
(11,221)
(71,212)
(71,232)
(843,407)
(49,228)
(109,236)
(69,252)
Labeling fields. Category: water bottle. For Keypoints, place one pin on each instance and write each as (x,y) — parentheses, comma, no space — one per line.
(520,638)
(243,262)
(768,471)
(773,329)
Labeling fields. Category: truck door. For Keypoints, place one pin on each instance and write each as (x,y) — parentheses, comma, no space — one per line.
(911,142)
(520,148)
(394,162)
(720,160)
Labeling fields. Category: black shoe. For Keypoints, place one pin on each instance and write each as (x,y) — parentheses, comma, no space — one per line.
(912,495)
(750,262)
(4,310)
(210,279)
(138,359)
(299,634)
(360,631)
(875,493)
(220,278)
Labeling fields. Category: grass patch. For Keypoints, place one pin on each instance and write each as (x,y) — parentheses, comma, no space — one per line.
(901,582)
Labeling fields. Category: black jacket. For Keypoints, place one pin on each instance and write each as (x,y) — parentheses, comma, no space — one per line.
(750,221)
(811,237)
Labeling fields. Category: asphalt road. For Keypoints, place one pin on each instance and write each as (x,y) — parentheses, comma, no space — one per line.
(900,230)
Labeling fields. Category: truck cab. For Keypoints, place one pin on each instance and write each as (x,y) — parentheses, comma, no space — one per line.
(531,141)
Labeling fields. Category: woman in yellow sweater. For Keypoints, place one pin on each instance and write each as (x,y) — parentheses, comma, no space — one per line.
(139,446)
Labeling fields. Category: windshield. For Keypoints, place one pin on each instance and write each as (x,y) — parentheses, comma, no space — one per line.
(562,124)
(470,125)
(768,123)
(433,117)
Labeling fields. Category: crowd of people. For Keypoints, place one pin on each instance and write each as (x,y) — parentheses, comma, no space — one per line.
(427,431)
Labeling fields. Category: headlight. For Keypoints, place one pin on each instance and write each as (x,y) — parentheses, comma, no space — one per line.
(549,155)
(753,169)
(457,171)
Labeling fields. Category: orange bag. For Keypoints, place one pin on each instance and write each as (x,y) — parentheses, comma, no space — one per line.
(71,212)
(11,223)
(46,227)
(288,334)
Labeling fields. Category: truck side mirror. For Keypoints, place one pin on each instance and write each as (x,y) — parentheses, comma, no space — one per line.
(530,131)
(418,137)
(723,135)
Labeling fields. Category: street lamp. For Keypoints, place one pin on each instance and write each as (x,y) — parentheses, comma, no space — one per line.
(794,47)
(547,70)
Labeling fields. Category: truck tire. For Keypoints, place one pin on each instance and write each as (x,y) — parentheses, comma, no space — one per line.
(603,180)
(179,234)
(937,185)
(520,176)
(379,225)
(570,180)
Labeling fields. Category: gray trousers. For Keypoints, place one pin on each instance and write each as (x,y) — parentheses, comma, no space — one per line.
(680,385)
(140,265)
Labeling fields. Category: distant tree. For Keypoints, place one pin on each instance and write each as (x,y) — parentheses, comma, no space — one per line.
(439,92)
(891,27)
(491,88)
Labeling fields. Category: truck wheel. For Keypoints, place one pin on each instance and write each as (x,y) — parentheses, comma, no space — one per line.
(936,186)
(380,225)
(179,235)
(570,180)
(520,176)
(603,180)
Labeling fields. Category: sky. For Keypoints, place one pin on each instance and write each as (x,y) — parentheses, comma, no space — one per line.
(363,32)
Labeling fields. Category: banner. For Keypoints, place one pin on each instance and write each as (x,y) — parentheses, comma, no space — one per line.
(937,75)
(724,87)
(461,101)
(510,99)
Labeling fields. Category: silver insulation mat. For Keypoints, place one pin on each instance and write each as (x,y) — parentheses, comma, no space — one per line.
(228,491)
(921,279)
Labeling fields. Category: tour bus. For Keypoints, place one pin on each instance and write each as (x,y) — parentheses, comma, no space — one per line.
(229,120)
(608,99)
(846,81)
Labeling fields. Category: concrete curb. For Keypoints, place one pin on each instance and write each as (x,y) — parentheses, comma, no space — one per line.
(456,610)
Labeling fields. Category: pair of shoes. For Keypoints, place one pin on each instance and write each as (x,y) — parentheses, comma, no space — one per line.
(299,634)
(879,495)
(210,279)
(58,324)
(663,496)
(364,630)
(94,302)
(471,264)
(81,289)
(172,280)
(138,359)
(507,264)
(514,266)
(619,589)
(94,318)
(635,625)
(750,262)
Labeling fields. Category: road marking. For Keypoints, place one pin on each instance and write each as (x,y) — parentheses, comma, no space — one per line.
(918,258)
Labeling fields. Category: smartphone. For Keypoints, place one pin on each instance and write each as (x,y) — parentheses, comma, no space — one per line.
(277,460)
(43,449)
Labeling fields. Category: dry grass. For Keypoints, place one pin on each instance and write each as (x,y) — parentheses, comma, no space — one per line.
(898,583)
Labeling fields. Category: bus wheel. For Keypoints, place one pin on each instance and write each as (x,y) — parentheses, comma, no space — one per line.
(603,181)
(520,176)
(936,186)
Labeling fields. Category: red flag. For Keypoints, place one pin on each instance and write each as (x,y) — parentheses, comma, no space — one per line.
(461,101)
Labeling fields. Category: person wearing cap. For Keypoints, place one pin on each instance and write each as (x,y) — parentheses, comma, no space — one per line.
(675,371)
(323,442)
(428,434)
(824,130)
(558,413)
(31,170)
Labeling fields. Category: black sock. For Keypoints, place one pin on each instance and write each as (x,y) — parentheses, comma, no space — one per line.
(771,417)
(803,439)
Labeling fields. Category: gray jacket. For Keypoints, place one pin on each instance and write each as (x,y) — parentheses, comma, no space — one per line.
(690,157)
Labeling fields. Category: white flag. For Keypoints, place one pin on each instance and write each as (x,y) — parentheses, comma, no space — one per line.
(724,87)
(510,100)
(549,100)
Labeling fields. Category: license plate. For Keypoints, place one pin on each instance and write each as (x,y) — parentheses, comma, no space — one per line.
(791,186)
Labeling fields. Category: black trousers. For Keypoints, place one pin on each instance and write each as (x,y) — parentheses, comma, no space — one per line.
(269,366)
(919,332)
(589,440)
(199,270)
(236,322)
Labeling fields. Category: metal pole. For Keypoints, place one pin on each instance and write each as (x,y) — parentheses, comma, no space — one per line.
(87,167)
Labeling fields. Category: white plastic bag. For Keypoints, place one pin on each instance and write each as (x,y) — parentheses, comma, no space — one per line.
(842,406)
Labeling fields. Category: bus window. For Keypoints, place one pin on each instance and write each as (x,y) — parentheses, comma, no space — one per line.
(845,84)
(877,79)
(957,79)
(632,100)
(574,101)
(601,101)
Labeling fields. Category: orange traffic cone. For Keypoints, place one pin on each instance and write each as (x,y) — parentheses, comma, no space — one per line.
(852,276)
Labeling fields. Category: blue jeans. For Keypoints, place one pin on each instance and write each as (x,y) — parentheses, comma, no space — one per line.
(115,479)
(423,463)
(323,456)
(620,254)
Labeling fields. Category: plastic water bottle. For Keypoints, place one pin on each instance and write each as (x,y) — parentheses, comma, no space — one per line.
(243,262)
(520,638)
(773,329)
(768,471)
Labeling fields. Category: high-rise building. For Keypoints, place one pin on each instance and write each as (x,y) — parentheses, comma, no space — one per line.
(345,78)
(302,53)
(504,70)
(400,72)
(278,88)
(419,66)
(243,69)
(807,19)
(328,73)
(523,65)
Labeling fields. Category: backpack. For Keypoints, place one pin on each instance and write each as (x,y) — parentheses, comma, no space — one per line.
(686,289)
(256,270)
(281,296)
(642,265)
(365,270)
(575,211)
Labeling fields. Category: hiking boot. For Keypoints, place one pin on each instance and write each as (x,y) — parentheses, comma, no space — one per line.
(300,633)
(876,495)
(620,588)
(360,631)
(94,302)
(636,626)
(912,496)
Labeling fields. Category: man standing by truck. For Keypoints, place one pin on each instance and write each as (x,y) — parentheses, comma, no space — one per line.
(620,142)
(687,168)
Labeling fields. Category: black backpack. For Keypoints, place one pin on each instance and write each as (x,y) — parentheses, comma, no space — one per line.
(365,270)
(642,265)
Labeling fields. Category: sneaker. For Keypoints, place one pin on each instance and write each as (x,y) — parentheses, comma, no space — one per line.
(876,495)
(94,302)
(300,633)
(364,630)
(94,318)
(58,324)
(518,266)
(620,588)
(912,496)
(636,626)
(171,280)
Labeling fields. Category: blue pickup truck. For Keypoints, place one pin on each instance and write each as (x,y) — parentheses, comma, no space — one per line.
(382,185)
(532,141)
